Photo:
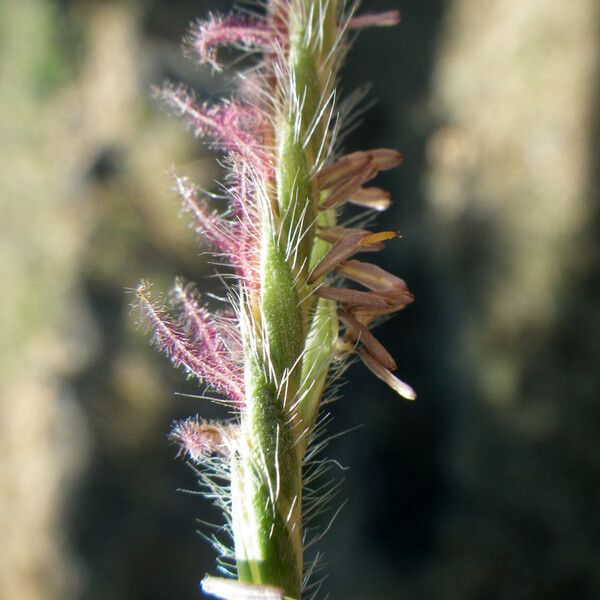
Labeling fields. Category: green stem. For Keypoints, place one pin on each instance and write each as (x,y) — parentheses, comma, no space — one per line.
(288,336)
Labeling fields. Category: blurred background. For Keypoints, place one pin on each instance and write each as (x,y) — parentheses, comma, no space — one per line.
(488,487)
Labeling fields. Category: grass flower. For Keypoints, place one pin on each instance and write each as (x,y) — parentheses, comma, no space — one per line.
(294,318)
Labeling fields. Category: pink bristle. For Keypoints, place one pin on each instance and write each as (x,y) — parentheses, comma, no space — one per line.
(193,357)
(245,32)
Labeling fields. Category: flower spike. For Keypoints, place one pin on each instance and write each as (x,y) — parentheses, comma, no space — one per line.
(271,352)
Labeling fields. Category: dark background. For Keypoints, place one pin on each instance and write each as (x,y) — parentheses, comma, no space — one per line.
(487,487)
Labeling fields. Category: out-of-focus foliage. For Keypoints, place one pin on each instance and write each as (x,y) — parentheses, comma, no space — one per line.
(42,434)
(514,192)
(85,212)
(487,486)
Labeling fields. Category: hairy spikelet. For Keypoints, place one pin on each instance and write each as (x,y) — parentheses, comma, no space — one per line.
(294,321)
